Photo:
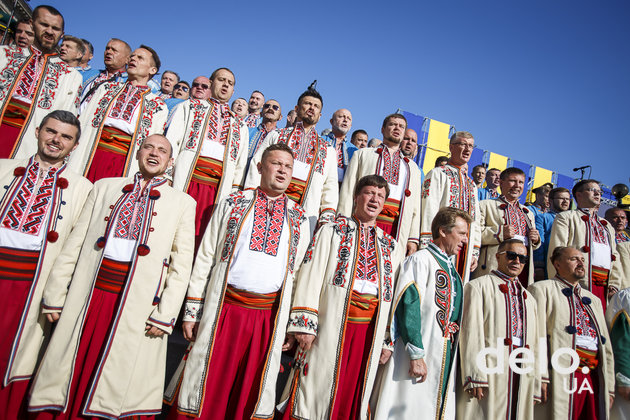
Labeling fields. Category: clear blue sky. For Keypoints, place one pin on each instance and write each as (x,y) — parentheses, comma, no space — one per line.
(546,83)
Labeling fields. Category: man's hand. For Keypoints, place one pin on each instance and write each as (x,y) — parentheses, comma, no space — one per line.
(412,247)
(153,331)
(534,236)
(624,392)
(190,330)
(418,369)
(477,392)
(305,340)
(289,342)
(612,400)
(473,264)
(53,316)
(544,388)
(385,355)
(508,233)
(611,291)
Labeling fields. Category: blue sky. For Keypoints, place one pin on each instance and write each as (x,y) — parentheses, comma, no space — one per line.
(546,83)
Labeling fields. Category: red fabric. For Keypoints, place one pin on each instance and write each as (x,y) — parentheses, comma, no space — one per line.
(8,138)
(524,276)
(105,164)
(205,195)
(460,261)
(585,405)
(602,293)
(238,359)
(515,380)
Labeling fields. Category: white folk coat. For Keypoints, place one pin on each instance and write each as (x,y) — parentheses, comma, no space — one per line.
(618,316)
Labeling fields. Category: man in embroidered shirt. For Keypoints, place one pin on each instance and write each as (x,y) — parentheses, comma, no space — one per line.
(115,58)
(493,177)
(341,123)
(401,214)
(34,82)
(572,318)
(505,218)
(618,219)
(584,230)
(239,106)
(72,51)
(409,144)
(498,316)
(340,312)
(271,114)
(115,292)
(314,184)
(24,33)
(478,175)
(559,201)
(212,145)
(119,118)
(236,316)
(168,81)
(254,108)
(359,138)
(200,88)
(41,203)
(421,375)
(450,186)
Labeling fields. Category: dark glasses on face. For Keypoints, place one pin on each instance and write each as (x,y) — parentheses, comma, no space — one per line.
(182,87)
(274,107)
(200,85)
(511,255)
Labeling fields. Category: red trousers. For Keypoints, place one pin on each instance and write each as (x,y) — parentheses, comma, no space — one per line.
(8,138)
(205,195)
(585,405)
(105,164)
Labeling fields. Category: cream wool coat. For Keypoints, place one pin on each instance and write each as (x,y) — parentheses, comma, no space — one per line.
(367,161)
(484,322)
(187,132)
(206,292)
(556,314)
(570,230)
(320,307)
(321,194)
(58,88)
(134,361)
(67,203)
(618,310)
(492,220)
(151,120)
(621,267)
(443,188)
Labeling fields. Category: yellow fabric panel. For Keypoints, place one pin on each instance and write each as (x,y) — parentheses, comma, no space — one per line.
(541,176)
(497,161)
(437,144)
(625,200)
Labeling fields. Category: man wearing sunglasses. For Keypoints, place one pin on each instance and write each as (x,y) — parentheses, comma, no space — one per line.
(586,231)
(498,319)
(505,218)
(271,114)
(200,88)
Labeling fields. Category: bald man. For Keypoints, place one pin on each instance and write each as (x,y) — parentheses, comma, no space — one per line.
(341,123)
(409,145)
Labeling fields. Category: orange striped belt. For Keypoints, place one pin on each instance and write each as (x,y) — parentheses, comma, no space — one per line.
(15,113)
(18,264)
(390,212)
(115,141)
(362,308)
(250,300)
(600,276)
(208,171)
(111,275)
(296,188)
(588,358)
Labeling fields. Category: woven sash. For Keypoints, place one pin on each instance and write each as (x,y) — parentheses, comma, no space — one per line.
(115,141)
(208,171)
(600,276)
(15,113)
(588,358)
(250,300)
(112,275)
(295,191)
(18,264)
(390,212)
(362,308)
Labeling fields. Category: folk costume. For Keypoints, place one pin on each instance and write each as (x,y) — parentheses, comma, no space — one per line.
(596,239)
(32,84)
(129,260)
(572,317)
(400,216)
(621,267)
(494,215)
(450,186)
(498,314)
(256,137)
(314,184)
(94,81)
(252,120)
(618,318)
(242,315)
(343,296)
(212,156)
(429,297)
(345,150)
(37,212)
(113,126)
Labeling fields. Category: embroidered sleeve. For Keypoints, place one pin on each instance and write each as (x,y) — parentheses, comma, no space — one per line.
(303,320)
(193,309)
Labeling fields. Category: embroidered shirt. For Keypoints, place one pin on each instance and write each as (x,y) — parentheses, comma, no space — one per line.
(252,120)
(303,144)
(27,84)
(123,113)
(586,333)
(514,216)
(218,122)
(622,236)
(366,277)
(514,306)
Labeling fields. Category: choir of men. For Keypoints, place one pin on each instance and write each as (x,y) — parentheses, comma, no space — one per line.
(309,260)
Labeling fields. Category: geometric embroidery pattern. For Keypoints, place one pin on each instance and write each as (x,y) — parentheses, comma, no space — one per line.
(598,231)
(218,122)
(391,166)
(312,150)
(50,83)
(366,264)
(583,323)
(30,76)
(131,214)
(514,216)
(514,303)
(339,149)
(442,299)
(267,227)
(343,229)
(28,210)
(15,60)
(127,102)
(461,190)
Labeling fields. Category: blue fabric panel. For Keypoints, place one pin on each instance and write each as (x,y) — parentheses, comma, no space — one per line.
(565,181)
(525,167)
(476,158)
(415,122)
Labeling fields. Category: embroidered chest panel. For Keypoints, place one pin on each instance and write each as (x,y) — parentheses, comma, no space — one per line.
(15,59)
(50,83)
(597,230)
(111,90)
(239,205)
(218,124)
(268,224)
(367,265)
(31,74)
(582,320)
(461,191)
(390,169)
(515,216)
(514,306)
(443,293)
(127,103)
(131,215)
(308,148)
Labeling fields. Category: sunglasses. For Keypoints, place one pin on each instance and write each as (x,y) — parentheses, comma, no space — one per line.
(182,87)
(511,255)
(200,85)
(274,107)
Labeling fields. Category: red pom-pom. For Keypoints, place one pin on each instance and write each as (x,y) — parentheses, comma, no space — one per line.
(504,288)
(613,258)
(524,294)
(62,183)
(406,159)
(100,242)
(585,218)
(525,210)
(306,369)
(503,206)
(379,150)
(154,195)
(19,171)
(143,250)
(603,222)
(128,188)
(586,248)
(407,193)
(507,341)
(52,236)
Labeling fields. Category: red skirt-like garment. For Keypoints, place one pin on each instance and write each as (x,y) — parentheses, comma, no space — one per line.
(11,126)
(110,155)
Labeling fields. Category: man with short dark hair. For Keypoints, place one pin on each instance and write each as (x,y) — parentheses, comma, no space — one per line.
(541,203)
(340,311)
(478,175)
(24,33)
(314,184)
(291,116)
(72,51)
(115,58)
(271,114)
(167,83)
(212,147)
(559,201)
(239,107)
(401,213)
(115,293)
(500,315)
(359,138)
(34,82)
(505,218)
(584,230)
(254,108)
(41,203)
(618,219)
(493,177)
(181,90)
(440,161)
